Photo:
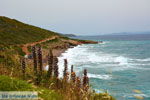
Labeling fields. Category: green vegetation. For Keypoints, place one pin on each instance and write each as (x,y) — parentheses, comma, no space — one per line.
(69,35)
(21,74)
(8,54)
(13,84)
(13,32)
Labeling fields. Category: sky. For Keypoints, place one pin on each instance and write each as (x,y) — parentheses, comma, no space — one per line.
(81,17)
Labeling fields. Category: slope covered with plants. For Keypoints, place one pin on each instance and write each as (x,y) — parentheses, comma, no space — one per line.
(20,73)
(15,32)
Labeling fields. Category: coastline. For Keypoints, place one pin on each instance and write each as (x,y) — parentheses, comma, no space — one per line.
(57,51)
(57,47)
(25,55)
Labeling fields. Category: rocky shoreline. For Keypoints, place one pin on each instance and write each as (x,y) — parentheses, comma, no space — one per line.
(58,50)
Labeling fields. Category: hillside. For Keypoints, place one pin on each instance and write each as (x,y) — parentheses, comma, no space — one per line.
(69,35)
(15,32)
(25,50)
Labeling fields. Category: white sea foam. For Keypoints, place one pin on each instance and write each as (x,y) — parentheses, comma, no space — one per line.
(104,42)
(72,55)
(104,77)
(99,90)
(143,60)
(82,55)
(133,95)
(46,67)
(121,60)
(141,95)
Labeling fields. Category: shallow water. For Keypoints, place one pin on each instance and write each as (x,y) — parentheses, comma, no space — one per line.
(120,66)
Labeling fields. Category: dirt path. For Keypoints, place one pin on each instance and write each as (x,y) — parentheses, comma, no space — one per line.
(25,46)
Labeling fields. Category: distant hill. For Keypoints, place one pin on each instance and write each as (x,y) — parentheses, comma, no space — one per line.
(69,35)
(15,32)
(129,33)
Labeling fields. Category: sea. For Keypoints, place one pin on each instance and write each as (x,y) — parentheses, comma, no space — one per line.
(120,65)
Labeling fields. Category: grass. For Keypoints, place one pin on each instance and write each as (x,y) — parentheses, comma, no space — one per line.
(14,32)
(10,55)
(12,35)
(13,84)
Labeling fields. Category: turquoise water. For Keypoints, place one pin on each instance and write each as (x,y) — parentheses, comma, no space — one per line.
(118,66)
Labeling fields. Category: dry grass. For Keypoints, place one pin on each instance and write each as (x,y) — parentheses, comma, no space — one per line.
(70,87)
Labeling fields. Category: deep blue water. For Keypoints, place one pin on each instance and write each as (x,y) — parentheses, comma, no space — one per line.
(120,65)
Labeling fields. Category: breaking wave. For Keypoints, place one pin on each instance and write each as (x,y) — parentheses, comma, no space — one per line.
(82,56)
(118,68)
(104,77)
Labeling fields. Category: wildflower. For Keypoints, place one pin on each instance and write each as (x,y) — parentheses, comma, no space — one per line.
(65,68)
(23,65)
(40,63)
(73,77)
(50,63)
(85,80)
(34,59)
(71,68)
(56,73)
